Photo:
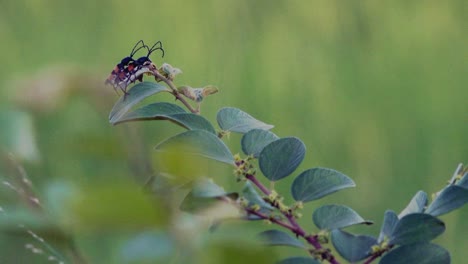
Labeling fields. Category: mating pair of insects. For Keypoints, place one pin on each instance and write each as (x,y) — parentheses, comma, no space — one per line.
(129,69)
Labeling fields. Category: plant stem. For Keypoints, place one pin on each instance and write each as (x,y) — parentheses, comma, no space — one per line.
(257,183)
(293,225)
(372,258)
(377,254)
(271,219)
(175,92)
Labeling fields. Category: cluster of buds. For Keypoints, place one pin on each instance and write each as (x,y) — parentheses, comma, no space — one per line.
(244,167)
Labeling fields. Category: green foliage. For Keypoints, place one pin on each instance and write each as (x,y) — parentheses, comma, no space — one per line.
(389,222)
(329,217)
(236,120)
(198,142)
(281,157)
(279,238)
(415,228)
(316,183)
(157,215)
(138,93)
(451,198)
(416,205)
(278,158)
(421,253)
(255,140)
(352,247)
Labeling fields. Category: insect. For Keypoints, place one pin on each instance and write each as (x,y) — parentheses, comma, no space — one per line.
(145,59)
(129,70)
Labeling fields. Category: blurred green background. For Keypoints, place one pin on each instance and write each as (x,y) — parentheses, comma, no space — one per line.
(377,90)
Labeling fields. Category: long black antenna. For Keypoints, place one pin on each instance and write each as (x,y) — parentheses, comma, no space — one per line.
(135,50)
(154,48)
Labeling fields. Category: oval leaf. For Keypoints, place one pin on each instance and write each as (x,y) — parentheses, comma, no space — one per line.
(168,111)
(139,92)
(192,122)
(207,188)
(194,204)
(351,247)
(463,182)
(421,253)
(448,200)
(336,216)
(299,260)
(281,157)
(316,183)
(389,222)
(236,120)
(416,205)
(255,140)
(151,111)
(415,228)
(198,142)
(279,238)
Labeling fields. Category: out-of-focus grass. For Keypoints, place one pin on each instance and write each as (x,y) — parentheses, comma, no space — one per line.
(375,90)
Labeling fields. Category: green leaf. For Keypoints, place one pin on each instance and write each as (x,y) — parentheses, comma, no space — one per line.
(138,92)
(250,193)
(316,183)
(204,194)
(279,238)
(451,198)
(236,120)
(389,222)
(335,216)
(193,203)
(415,228)
(149,112)
(416,205)
(281,157)
(299,260)
(421,253)
(463,182)
(168,111)
(198,142)
(255,140)
(207,188)
(352,247)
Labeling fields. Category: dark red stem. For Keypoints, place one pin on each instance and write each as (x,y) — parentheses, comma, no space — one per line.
(293,224)
(259,185)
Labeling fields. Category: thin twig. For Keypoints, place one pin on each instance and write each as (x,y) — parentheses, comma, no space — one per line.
(175,92)
(257,183)
(293,225)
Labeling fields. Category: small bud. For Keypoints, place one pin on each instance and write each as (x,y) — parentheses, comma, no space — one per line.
(209,90)
(375,248)
(299,205)
(197,94)
(168,71)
